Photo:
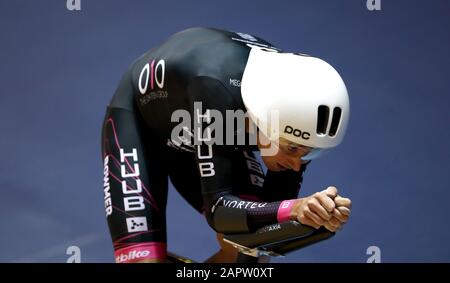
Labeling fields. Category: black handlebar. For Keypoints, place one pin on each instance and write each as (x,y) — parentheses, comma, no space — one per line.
(277,239)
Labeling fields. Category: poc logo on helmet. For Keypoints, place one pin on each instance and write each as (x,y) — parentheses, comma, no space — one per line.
(297,133)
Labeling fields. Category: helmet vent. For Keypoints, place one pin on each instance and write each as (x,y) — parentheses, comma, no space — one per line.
(322,119)
(335,121)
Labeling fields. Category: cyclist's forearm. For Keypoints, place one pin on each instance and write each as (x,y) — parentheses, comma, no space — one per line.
(229,213)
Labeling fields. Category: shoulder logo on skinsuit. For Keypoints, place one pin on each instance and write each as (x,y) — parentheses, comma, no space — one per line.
(151,81)
(150,72)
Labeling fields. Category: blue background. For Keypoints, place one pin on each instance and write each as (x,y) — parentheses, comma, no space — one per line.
(59,69)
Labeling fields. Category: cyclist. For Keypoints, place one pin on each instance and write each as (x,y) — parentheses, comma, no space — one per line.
(156,128)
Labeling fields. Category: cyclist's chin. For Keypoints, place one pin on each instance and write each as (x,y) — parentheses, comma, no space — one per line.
(274,166)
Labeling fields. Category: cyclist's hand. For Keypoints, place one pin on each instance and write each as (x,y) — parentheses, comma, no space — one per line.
(315,210)
(340,214)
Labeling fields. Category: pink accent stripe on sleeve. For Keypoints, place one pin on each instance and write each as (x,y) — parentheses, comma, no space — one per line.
(284,211)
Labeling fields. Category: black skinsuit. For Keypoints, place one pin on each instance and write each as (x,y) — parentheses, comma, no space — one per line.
(196,65)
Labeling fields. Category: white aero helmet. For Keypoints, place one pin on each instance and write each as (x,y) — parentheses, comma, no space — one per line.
(309,95)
